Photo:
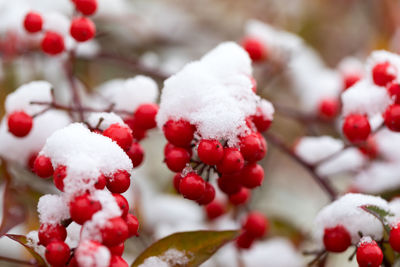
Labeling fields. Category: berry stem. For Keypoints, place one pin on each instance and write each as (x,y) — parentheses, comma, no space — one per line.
(323,183)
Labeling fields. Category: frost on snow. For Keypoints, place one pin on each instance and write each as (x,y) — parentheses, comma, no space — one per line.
(214,94)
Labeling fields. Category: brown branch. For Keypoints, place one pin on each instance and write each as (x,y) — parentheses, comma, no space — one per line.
(323,183)
(69,70)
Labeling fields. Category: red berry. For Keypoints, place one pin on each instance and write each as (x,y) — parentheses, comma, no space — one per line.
(336,239)
(252,147)
(122,135)
(394,238)
(356,128)
(122,203)
(119,182)
(392,117)
(43,167)
(51,232)
(136,154)
(240,197)
(86,7)
(208,196)
(244,241)
(252,175)
(179,133)
(214,209)
(192,186)
(369,148)
(228,184)
(19,123)
(145,116)
(33,22)
(177,181)
(115,232)
(117,261)
(117,250)
(137,133)
(133,224)
(383,73)
(31,160)
(177,158)
(394,91)
(231,162)
(328,108)
(101,182)
(52,43)
(350,79)
(261,122)
(256,224)
(58,177)
(254,48)
(82,208)
(82,29)
(57,253)
(210,151)
(369,255)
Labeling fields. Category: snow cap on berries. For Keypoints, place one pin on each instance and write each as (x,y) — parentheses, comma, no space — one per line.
(314,149)
(347,212)
(52,209)
(214,94)
(92,254)
(104,120)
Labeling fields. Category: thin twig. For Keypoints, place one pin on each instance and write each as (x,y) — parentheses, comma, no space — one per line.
(69,70)
(323,183)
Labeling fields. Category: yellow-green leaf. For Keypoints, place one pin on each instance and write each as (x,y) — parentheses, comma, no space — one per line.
(196,247)
(39,261)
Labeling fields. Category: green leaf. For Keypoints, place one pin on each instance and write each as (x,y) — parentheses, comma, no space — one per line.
(379,213)
(196,246)
(40,262)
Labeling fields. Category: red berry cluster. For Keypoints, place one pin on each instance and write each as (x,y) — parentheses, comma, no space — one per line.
(82,28)
(236,167)
(254,227)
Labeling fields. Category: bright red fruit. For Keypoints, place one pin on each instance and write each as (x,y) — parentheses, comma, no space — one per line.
(101,182)
(256,224)
(179,133)
(240,197)
(244,240)
(229,184)
(231,162)
(214,209)
(115,232)
(133,224)
(177,158)
(51,232)
(369,148)
(58,177)
(136,154)
(43,167)
(350,79)
(208,196)
(192,186)
(83,207)
(52,43)
(252,175)
(394,238)
(117,250)
(19,123)
(336,239)
(383,73)
(117,261)
(261,122)
(57,253)
(86,7)
(210,152)
(82,29)
(356,128)
(394,91)
(122,203)
(369,255)
(33,22)
(145,116)
(328,108)
(255,49)
(252,147)
(119,182)
(177,181)
(122,135)
(392,117)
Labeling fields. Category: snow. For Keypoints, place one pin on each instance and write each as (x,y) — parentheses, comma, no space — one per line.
(52,209)
(365,240)
(130,93)
(90,254)
(314,149)
(171,257)
(214,94)
(56,22)
(381,56)
(86,155)
(351,65)
(388,143)
(346,211)
(33,242)
(73,235)
(108,118)
(351,159)
(266,109)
